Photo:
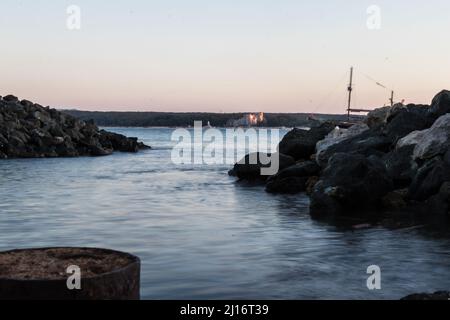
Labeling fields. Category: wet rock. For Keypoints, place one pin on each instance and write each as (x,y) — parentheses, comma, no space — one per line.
(311,183)
(249,168)
(288,185)
(292,179)
(301,144)
(439,204)
(400,165)
(395,200)
(429,179)
(349,183)
(441,103)
(440,295)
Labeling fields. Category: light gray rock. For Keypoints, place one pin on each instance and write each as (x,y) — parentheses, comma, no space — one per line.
(338,135)
(430,142)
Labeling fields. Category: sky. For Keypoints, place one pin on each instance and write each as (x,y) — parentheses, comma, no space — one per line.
(224,56)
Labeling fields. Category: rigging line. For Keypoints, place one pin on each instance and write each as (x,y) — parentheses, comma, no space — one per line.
(375,81)
(320,104)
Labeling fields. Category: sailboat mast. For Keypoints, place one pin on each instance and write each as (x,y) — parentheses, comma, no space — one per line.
(350,89)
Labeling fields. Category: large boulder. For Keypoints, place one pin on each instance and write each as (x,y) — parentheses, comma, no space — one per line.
(441,103)
(429,179)
(292,179)
(250,167)
(406,120)
(350,182)
(338,135)
(377,117)
(367,143)
(301,144)
(401,166)
(437,296)
(430,142)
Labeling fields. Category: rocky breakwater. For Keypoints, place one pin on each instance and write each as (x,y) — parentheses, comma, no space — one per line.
(29,130)
(397,160)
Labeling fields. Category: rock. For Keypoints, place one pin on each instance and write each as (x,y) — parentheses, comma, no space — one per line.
(439,204)
(292,179)
(400,165)
(249,168)
(29,130)
(395,200)
(440,295)
(336,136)
(10,98)
(349,183)
(369,142)
(311,183)
(301,144)
(406,120)
(441,103)
(377,117)
(288,185)
(26,103)
(431,142)
(429,179)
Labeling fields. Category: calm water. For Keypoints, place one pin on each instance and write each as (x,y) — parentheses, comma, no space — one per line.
(201,235)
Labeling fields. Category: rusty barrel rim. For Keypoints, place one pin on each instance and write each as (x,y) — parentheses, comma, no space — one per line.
(133,261)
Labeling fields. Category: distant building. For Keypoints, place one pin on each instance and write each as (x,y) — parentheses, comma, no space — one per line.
(248,120)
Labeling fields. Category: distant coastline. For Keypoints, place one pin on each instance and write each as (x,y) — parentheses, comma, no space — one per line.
(173,119)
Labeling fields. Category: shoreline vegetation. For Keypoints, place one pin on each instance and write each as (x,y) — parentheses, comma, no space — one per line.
(183,120)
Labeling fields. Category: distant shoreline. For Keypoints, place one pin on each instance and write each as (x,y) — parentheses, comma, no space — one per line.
(186,119)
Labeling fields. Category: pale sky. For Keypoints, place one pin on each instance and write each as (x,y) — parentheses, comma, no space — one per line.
(223,56)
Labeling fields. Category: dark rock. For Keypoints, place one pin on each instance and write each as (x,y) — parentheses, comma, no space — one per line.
(440,295)
(292,179)
(406,120)
(301,144)
(311,183)
(370,142)
(10,98)
(400,165)
(287,185)
(29,130)
(350,182)
(249,168)
(439,204)
(26,103)
(395,200)
(441,103)
(429,179)
(377,117)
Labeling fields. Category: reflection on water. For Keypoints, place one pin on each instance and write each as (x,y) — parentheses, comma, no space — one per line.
(201,235)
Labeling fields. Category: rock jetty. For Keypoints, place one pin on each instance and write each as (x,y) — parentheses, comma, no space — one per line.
(29,130)
(399,159)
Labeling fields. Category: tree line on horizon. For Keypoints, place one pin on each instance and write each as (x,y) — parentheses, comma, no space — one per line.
(174,119)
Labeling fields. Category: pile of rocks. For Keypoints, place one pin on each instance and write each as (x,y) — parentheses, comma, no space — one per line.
(28,130)
(398,159)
